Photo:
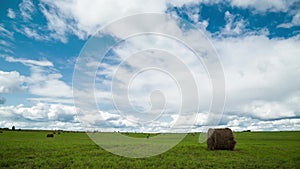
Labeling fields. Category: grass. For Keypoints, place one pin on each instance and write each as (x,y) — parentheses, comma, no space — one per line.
(31,149)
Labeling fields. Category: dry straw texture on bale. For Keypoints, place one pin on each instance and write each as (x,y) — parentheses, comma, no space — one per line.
(220,139)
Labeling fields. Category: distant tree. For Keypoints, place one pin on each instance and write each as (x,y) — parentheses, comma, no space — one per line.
(13,128)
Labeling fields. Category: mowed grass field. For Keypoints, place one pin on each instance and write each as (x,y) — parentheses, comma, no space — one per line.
(31,149)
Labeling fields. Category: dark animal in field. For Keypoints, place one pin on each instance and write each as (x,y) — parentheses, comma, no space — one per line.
(148,135)
(50,135)
(220,139)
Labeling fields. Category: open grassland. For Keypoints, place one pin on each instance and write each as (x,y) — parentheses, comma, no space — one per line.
(31,149)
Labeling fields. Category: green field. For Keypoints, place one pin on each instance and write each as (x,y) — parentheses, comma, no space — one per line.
(29,149)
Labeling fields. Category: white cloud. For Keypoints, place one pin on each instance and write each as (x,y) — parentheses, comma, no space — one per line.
(189,2)
(29,62)
(11,14)
(268,110)
(5,43)
(261,74)
(5,33)
(56,24)
(11,82)
(233,26)
(40,116)
(85,18)
(27,9)
(44,80)
(247,123)
(61,100)
(264,5)
(144,84)
(46,84)
(41,112)
(256,5)
(31,33)
(256,62)
(274,125)
(295,22)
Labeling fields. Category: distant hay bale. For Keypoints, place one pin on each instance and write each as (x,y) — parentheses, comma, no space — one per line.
(220,139)
(246,130)
(50,135)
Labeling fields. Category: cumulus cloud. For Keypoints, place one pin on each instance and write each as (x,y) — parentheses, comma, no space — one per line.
(258,70)
(146,84)
(11,14)
(41,112)
(261,67)
(43,81)
(46,84)
(234,25)
(11,82)
(269,110)
(40,116)
(261,73)
(274,125)
(261,77)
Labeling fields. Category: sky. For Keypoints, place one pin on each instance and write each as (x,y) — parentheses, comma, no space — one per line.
(43,44)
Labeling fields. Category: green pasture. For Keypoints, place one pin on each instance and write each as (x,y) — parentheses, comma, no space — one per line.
(31,149)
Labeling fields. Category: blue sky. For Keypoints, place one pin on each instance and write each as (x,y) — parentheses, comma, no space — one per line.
(257,43)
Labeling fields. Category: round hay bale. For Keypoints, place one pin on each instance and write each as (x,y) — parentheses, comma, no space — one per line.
(220,139)
(50,135)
